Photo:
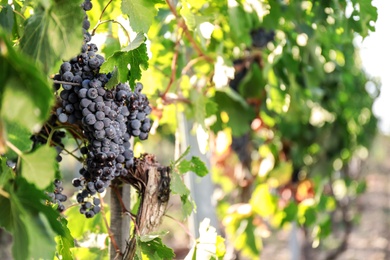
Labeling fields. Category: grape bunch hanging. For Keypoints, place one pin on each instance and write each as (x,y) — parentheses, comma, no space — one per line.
(108,118)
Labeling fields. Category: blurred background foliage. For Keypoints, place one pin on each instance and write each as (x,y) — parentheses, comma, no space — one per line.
(275,91)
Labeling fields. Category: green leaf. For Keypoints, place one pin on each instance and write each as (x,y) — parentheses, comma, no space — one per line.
(12,220)
(19,136)
(188,16)
(140,12)
(29,220)
(194,165)
(252,85)
(155,250)
(134,44)
(188,206)
(153,235)
(240,26)
(128,63)
(184,154)
(25,95)
(114,80)
(201,107)
(38,166)
(41,236)
(65,242)
(290,211)
(54,33)
(7,18)
(177,185)
(5,172)
(239,112)
(80,226)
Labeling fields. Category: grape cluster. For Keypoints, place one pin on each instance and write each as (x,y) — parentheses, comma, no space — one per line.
(261,37)
(107,117)
(57,196)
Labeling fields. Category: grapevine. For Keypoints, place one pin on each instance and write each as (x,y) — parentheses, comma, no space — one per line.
(256,90)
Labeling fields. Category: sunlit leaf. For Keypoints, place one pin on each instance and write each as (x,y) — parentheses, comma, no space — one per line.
(194,165)
(140,12)
(155,250)
(128,64)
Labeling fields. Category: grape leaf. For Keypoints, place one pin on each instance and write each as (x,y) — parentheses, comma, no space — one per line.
(25,95)
(240,114)
(240,25)
(26,217)
(155,249)
(140,12)
(128,64)
(201,107)
(153,235)
(134,44)
(65,242)
(188,206)
(184,154)
(18,136)
(54,33)
(194,165)
(12,221)
(94,225)
(5,174)
(177,185)
(38,166)
(7,18)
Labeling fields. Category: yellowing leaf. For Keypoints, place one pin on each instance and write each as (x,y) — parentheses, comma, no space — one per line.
(262,201)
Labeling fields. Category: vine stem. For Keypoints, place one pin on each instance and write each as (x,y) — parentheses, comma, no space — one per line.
(14,148)
(173,67)
(66,83)
(190,64)
(104,9)
(188,33)
(100,22)
(183,226)
(112,21)
(66,150)
(4,193)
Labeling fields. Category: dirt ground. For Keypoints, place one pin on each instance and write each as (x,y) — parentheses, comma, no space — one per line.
(370,238)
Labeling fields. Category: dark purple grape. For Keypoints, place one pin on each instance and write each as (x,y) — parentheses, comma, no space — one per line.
(89,214)
(135,124)
(96,209)
(143,136)
(67,76)
(90,119)
(63,118)
(76,182)
(99,125)
(85,102)
(92,93)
